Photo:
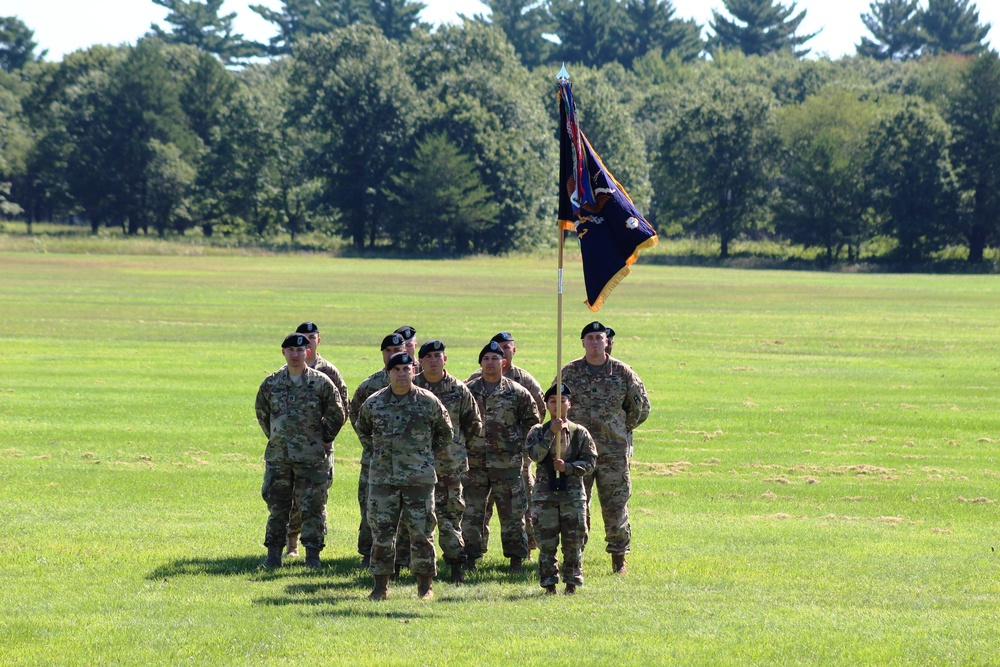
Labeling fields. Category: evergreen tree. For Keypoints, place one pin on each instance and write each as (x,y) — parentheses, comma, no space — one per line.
(895,26)
(651,25)
(17,44)
(397,18)
(199,24)
(523,22)
(758,27)
(439,200)
(952,26)
(590,32)
(300,19)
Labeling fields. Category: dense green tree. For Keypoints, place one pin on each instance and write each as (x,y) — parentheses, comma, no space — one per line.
(490,107)
(523,22)
(590,32)
(169,182)
(975,121)
(439,202)
(895,27)
(17,44)
(352,96)
(952,26)
(823,201)
(718,164)
(651,26)
(197,22)
(911,180)
(15,144)
(758,27)
(112,128)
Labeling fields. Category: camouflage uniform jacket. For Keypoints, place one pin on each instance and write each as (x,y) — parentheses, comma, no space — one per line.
(401,437)
(523,378)
(508,414)
(579,453)
(299,420)
(329,370)
(609,400)
(465,420)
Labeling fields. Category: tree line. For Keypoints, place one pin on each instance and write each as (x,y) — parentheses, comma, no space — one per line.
(363,123)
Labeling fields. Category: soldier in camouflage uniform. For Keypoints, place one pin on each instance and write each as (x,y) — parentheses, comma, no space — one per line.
(409,335)
(609,400)
(316,362)
(403,429)
(611,340)
(495,460)
(300,412)
(560,503)
(526,380)
(391,344)
(452,463)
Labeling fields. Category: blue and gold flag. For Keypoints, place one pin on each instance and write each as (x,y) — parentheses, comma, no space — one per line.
(611,230)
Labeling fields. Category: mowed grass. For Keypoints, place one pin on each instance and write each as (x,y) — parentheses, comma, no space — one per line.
(817,482)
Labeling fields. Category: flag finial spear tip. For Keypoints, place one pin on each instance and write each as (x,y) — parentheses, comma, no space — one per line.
(563,75)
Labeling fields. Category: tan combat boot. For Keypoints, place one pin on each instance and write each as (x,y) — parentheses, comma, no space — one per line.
(424,587)
(381,590)
(292,550)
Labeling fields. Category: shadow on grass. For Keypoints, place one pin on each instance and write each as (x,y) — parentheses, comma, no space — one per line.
(252,565)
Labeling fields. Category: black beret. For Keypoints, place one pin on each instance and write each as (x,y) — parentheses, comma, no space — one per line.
(398,359)
(406,332)
(295,340)
(610,332)
(307,328)
(503,337)
(552,391)
(593,327)
(492,347)
(430,346)
(392,340)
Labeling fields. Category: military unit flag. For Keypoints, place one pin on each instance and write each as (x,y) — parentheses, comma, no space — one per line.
(609,227)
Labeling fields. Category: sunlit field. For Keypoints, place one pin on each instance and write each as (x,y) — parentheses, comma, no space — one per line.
(817,482)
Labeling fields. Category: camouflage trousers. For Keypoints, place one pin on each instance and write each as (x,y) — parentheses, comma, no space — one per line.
(506,487)
(529,521)
(364,530)
(563,518)
(450,508)
(295,517)
(286,482)
(614,488)
(390,505)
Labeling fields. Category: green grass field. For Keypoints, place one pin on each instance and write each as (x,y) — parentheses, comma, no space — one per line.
(817,483)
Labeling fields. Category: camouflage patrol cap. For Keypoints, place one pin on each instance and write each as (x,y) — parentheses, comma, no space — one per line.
(295,340)
(307,328)
(552,391)
(392,340)
(492,347)
(610,332)
(406,332)
(398,359)
(593,327)
(430,346)
(503,337)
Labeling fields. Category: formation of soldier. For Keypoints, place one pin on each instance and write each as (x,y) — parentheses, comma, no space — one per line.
(441,453)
